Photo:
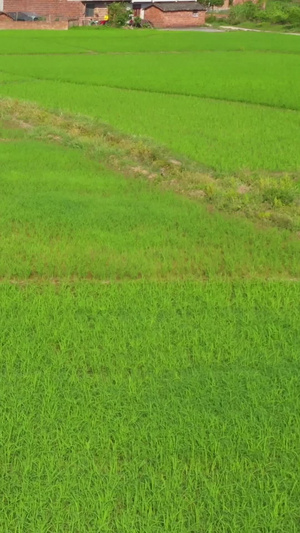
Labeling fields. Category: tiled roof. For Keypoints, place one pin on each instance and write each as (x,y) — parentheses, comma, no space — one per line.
(178,6)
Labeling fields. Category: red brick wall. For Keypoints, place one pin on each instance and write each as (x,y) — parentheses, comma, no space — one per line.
(100,12)
(58,8)
(9,24)
(177,19)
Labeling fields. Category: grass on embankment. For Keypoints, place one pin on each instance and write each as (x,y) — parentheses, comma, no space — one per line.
(64,215)
(271,198)
(150,407)
(223,136)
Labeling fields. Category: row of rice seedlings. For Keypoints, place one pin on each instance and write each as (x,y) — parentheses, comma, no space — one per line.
(263,78)
(87,39)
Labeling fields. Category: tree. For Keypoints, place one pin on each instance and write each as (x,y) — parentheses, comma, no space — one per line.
(118,14)
(211,3)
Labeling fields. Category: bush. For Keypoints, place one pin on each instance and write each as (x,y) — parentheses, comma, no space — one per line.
(243,12)
(146,24)
(211,18)
(278,197)
(294,16)
(283,13)
(274,13)
(119,14)
(137,22)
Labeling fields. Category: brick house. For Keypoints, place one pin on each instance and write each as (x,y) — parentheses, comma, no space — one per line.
(174,14)
(63,9)
(97,10)
(59,9)
(8,22)
(161,14)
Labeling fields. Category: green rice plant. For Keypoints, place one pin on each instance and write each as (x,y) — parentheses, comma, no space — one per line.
(113,87)
(84,40)
(5,77)
(149,354)
(264,78)
(198,129)
(154,407)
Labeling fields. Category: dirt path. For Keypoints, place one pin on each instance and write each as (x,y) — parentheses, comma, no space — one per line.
(237,28)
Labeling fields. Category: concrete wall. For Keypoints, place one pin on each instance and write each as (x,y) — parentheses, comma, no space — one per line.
(171,19)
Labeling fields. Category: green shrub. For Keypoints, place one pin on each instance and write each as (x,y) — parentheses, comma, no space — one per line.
(282,13)
(277,197)
(146,24)
(119,14)
(137,22)
(294,15)
(243,12)
(211,18)
(274,13)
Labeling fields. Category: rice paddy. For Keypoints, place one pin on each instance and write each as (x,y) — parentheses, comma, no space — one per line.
(149,282)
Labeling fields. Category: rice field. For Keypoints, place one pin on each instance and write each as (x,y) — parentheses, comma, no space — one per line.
(109,40)
(188,103)
(150,407)
(231,76)
(149,354)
